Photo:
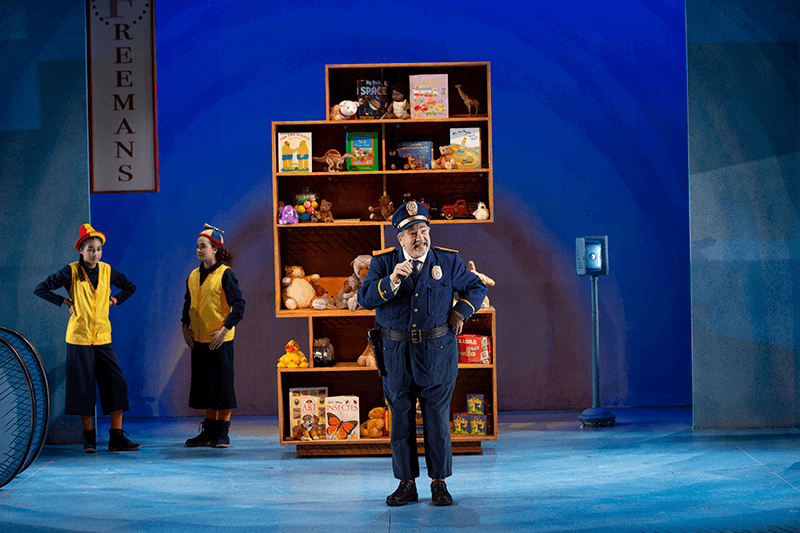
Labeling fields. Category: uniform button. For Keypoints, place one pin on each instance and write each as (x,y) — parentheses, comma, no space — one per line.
(413,325)
(415,310)
(416,294)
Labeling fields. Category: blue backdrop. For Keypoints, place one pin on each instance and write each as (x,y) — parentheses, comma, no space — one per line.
(589,138)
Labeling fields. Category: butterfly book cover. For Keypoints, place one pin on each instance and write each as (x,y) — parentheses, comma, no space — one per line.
(295,152)
(466,144)
(343,417)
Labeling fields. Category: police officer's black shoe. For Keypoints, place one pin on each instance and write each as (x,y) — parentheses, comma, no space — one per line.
(439,494)
(89,441)
(118,441)
(406,492)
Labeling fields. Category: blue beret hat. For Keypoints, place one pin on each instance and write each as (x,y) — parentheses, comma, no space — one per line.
(408,214)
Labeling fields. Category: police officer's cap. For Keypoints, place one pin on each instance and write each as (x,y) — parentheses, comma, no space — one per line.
(408,214)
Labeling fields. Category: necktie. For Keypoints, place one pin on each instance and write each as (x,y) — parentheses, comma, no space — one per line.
(415,270)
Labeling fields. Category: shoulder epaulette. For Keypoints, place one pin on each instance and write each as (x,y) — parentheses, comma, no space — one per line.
(376,253)
(446,250)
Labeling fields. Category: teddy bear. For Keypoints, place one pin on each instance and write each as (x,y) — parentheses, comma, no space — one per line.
(347,297)
(399,106)
(323,213)
(384,209)
(447,160)
(395,161)
(308,428)
(298,289)
(293,358)
(344,110)
(367,357)
(375,425)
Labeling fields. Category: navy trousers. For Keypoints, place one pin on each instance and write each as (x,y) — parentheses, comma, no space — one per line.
(434,401)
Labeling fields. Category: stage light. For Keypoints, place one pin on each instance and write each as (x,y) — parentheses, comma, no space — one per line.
(591,259)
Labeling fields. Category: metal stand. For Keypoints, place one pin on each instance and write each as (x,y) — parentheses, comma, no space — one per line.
(596,416)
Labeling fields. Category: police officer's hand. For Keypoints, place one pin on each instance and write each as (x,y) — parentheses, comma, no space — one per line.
(187,336)
(401,270)
(456,321)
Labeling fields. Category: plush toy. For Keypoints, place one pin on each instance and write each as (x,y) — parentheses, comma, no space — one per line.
(384,210)
(323,352)
(447,160)
(375,426)
(482,212)
(308,428)
(394,161)
(367,357)
(399,106)
(293,358)
(486,279)
(323,213)
(344,110)
(347,297)
(298,289)
(288,215)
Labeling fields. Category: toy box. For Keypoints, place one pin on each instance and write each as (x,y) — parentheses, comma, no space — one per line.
(342,417)
(466,144)
(476,405)
(478,425)
(461,423)
(295,150)
(474,349)
(364,148)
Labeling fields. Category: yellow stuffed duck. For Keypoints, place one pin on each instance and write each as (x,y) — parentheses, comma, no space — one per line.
(293,358)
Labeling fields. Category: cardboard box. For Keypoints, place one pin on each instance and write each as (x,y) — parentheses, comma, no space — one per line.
(476,349)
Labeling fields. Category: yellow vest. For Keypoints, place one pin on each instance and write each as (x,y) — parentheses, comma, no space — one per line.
(90,325)
(209,307)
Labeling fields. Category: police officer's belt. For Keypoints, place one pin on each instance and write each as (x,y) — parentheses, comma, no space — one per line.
(415,335)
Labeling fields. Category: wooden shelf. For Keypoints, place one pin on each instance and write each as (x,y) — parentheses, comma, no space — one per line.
(328,249)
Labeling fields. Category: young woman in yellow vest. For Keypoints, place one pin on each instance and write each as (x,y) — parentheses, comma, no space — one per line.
(212,307)
(90,356)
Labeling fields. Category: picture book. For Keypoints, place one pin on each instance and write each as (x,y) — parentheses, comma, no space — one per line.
(295,150)
(475,404)
(372,97)
(466,143)
(461,423)
(478,425)
(419,154)
(342,417)
(306,418)
(295,405)
(364,148)
(429,96)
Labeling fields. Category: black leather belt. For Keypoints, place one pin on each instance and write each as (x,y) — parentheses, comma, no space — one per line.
(415,335)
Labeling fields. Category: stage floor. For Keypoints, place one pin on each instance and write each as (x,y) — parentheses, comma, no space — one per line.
(649,473)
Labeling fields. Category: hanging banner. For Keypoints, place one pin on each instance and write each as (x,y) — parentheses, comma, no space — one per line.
(123,118)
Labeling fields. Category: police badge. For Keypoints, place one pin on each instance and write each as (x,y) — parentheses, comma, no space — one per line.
(411,207)
(436,272)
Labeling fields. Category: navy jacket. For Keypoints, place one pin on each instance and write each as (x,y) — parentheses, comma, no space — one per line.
(424,306)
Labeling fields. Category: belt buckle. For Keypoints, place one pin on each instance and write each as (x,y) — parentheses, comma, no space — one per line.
(416,336)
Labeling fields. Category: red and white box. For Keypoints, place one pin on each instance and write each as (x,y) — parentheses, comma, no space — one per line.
(475,349)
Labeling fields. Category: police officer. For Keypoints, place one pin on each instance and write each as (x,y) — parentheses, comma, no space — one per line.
(411,289)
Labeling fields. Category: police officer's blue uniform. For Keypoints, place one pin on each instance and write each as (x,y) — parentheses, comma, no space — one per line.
(420,366)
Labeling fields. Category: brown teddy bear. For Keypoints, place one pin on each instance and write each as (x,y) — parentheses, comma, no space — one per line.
(447,160)
(346,299)
(323,212)
(384,210)
(367,357)
(375,426)
(298,289)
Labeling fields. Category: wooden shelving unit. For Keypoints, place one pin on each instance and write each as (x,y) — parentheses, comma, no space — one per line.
(328,249)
